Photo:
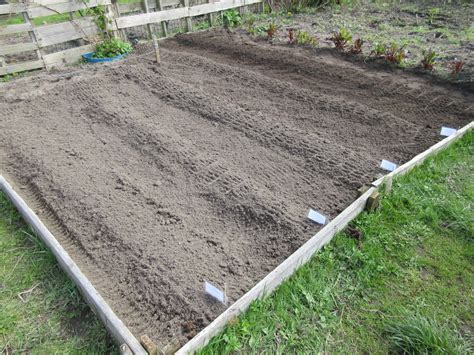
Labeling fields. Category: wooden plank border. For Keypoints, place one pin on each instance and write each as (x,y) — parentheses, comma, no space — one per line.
(181,12)
(113,324)
(305,252)
(402,169)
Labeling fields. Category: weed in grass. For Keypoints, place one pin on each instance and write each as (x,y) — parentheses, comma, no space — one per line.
(341,38)
(428,60)
(303,38)
(231,18)
(415,334)
(203,25)
(432,15)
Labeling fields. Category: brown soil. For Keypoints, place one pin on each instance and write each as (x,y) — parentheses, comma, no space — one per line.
(156,178)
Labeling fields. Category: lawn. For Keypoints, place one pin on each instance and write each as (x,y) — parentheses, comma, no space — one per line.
(405,285)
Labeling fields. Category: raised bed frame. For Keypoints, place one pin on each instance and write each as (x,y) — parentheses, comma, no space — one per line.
(122,334)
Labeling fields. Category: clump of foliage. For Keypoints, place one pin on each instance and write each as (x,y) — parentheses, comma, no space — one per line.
(379,49)
(357,46)
(100,18)
(395,53)
(428,60)
(415,334)
(304,38)
(231,18)
(341,38)
(257,30)
(456,67)
(432,15)
(272,30)
(111,48)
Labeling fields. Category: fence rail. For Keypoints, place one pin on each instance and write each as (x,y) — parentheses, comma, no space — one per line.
(34,45)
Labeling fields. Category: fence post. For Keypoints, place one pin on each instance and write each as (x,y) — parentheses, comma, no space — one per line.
(32,34)
(211,17)
(164,26)
(152,34)
(189,23)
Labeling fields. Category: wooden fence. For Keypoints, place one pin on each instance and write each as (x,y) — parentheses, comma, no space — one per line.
(31,43)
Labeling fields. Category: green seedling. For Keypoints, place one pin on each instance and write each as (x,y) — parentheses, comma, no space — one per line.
(395,53)
(305,39)
(379,49)
(428,60)
(341,38)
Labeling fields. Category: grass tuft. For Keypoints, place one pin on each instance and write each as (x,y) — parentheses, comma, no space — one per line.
(416,334)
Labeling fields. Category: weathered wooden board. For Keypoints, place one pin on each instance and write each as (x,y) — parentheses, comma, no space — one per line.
(12,29)
(35,10)
(18,48)
(12,8)
(16,68)
(420,158)
(48,35)
(71,55)
(174,14)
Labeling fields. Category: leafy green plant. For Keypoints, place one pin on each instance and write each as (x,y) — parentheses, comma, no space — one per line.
(231,18)
(341,38)
(415,334)
(432,14)
(111,48)
(428,60)
(304,38)
(378,49)
(395,53)
(259,30)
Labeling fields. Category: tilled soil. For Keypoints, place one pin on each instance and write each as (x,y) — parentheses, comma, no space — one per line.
(156,178)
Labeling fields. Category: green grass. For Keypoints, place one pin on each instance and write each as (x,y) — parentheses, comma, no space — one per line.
(41,310)
(405,287)
(39,21)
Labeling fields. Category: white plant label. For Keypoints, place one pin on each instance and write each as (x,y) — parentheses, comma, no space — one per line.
(446,131)
(388,165)
(213,291)
(316,217)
